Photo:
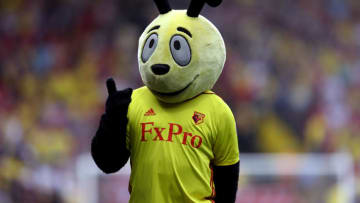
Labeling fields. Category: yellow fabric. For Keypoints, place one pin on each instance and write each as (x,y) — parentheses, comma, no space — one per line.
(172,153)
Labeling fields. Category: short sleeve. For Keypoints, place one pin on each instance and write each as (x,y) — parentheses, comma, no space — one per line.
(131,115)
(226,150)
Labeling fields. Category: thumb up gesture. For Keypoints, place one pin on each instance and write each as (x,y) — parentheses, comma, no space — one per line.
(117,103)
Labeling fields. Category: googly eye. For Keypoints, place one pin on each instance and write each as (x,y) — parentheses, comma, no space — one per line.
(149,47)
(180,50)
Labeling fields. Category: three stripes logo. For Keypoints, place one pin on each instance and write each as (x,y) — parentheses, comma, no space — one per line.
(150,112)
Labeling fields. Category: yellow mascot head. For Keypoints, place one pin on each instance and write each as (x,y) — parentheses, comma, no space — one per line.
(181,54)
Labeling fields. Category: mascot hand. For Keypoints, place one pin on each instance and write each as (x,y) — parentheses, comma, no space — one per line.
(118,101)
(107,143)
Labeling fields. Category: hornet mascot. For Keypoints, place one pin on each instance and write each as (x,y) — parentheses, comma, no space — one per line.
(180,136)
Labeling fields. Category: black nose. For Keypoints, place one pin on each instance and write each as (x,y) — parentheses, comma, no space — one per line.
(160,69)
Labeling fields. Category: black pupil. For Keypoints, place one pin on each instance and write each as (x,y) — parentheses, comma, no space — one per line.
(177,45)
(151,43)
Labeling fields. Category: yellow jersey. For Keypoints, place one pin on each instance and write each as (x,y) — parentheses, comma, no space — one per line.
(173,147)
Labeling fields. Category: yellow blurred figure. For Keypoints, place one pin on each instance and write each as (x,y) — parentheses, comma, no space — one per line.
(275,136)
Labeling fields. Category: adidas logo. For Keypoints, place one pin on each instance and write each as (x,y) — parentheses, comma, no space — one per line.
(150,112)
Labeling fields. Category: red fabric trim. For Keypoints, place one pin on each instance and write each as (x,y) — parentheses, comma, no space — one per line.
(212,184)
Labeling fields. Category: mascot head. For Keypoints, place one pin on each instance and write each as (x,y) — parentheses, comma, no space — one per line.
(181,54)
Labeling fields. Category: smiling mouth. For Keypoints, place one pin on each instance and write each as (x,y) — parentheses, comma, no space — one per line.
(177,92)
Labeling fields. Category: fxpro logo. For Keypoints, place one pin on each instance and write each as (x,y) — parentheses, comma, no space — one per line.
(149,132)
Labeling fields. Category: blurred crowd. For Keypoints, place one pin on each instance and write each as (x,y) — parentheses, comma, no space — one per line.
(292,79)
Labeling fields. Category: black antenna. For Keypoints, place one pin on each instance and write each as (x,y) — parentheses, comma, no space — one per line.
(197,5)
(163,6)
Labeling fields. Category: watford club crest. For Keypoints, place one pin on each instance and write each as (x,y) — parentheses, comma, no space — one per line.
(198,117)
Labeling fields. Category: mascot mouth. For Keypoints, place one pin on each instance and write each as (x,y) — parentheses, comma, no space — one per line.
(176,92)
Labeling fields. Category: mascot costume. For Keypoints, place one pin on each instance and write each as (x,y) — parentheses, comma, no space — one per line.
(179,135)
